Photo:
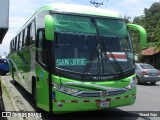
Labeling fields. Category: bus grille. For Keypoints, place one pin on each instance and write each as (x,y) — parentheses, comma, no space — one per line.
(87,94)
(100,93)
(115,92)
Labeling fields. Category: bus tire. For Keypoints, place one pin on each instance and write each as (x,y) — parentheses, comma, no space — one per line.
(2,72)
(14,82)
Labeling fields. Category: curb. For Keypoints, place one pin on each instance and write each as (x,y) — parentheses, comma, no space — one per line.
(13,102)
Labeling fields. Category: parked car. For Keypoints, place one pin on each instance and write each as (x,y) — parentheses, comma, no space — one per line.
(4,66)
(146,73)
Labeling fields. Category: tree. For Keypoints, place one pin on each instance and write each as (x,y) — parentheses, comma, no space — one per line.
(151,22)
(126,19)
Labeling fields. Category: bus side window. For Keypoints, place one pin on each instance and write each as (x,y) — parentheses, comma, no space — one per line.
(15,44)
(17,47)
(20,40)
(11,43)
(32,34)
(24,43)
(41,50)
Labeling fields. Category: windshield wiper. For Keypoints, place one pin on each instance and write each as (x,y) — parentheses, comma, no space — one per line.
(89,64)
(116,65)
(91,58)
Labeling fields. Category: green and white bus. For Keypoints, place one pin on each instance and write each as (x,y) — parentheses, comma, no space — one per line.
(76,58)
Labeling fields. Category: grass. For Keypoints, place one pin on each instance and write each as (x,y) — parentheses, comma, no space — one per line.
(5,92)
(4,89)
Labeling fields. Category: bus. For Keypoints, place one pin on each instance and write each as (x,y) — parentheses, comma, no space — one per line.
(76,58)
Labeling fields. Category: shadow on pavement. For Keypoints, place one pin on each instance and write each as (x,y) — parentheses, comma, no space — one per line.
(26,95)
(110,114)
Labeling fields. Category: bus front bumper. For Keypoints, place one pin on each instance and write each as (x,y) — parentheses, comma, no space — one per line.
(83,104)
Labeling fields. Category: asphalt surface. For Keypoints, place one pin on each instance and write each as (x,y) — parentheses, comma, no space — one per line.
(147,103)
(148,98)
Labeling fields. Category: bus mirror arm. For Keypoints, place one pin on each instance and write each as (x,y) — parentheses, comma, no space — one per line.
(49,27)
(142,31)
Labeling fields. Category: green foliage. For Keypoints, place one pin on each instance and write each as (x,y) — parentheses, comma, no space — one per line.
(151,22)
(126,19)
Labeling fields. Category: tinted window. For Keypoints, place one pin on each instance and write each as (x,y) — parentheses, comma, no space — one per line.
(20,40)
(137,67)
(75,50)
(3,61)
(16,44)
(32,34)
(103,45)
(25,38)
(13,45)
(42,51)
(146,66)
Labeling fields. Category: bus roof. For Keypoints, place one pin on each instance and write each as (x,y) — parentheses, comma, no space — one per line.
(80,9)
(74,8)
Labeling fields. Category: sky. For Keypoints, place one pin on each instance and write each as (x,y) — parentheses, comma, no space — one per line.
(21,10)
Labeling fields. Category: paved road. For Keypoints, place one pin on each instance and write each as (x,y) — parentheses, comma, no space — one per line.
(148,99)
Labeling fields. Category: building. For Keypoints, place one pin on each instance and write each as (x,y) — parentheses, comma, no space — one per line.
(4,18)
(151,56)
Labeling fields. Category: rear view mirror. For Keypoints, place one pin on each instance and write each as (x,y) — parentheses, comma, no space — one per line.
(49,27)
(142,31)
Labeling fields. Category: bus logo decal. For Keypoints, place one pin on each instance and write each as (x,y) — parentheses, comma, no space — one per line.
(104,93)
(41,74)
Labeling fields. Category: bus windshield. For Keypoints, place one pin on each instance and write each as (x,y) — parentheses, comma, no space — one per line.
(98,45)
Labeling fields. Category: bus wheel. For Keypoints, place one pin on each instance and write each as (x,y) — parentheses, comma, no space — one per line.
(2,72)
(14,82)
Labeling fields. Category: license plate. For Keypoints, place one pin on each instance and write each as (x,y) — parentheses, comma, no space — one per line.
(103,104)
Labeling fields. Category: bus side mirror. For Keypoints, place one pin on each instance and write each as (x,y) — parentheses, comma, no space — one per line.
(49,27)
(142,31)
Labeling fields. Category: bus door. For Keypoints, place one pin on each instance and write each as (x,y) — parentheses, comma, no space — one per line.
(42,89)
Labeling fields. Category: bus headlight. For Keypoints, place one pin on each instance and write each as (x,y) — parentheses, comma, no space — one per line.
(65,89)
(132,83)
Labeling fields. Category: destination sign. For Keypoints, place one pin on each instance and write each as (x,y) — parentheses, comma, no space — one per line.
(71,62)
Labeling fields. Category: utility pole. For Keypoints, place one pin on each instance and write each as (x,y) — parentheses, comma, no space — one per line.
(96,4)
